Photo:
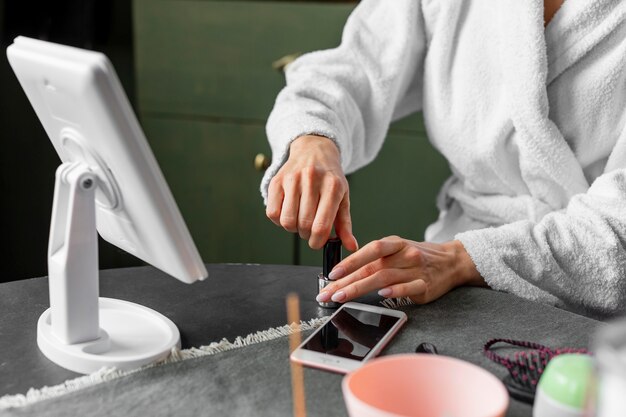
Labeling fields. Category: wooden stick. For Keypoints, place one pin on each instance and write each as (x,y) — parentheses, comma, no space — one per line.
(297,374)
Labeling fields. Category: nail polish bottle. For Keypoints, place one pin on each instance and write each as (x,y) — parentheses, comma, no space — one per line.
(332,256)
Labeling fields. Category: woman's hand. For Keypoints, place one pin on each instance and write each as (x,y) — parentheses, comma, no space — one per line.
(402,268)
(309,194)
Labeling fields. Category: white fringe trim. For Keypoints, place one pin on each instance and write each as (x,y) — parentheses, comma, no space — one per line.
(394,303)
(108,374)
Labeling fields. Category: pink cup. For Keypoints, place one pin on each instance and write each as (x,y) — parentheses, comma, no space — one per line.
(423,385)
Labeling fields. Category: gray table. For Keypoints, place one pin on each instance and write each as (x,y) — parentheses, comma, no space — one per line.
(240,299)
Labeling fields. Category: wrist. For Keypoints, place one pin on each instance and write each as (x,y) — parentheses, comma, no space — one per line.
(465,269)
(305,142)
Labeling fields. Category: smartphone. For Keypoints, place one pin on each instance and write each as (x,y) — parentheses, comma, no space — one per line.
(354,334)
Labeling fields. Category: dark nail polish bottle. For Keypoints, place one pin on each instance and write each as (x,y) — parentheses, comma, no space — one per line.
(332,256)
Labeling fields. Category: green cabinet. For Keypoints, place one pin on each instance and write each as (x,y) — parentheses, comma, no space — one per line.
(209,169)
(205,86)
(214,58)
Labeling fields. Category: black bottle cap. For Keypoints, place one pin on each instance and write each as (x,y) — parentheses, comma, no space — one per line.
(332,255)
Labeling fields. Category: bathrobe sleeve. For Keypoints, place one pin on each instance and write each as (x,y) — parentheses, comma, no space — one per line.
(351,93)
(573,258)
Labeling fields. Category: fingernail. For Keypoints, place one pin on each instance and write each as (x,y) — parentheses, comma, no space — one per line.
(336,273)
(385,292)
(339,296)
(323,297)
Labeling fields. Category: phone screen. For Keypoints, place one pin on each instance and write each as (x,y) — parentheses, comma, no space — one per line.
(351,333)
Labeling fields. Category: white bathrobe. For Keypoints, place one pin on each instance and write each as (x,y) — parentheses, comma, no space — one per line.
(531,120)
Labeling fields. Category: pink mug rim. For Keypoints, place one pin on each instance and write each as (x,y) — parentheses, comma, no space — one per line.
(501,390)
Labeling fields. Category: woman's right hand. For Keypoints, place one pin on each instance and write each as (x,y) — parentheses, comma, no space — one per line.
(309,194)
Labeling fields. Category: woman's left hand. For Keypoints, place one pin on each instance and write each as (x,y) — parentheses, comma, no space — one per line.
(399,267)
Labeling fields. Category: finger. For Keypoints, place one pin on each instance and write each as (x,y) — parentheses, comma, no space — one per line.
(367,254)
(397,260)
(381,279)
(309,200)
(362,273)
(343,225)
(331,195)
(291,203)
(409,257)
(415,289)
(275,197)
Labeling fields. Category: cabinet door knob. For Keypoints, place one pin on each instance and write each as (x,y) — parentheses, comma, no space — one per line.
(281,63)
(261,162)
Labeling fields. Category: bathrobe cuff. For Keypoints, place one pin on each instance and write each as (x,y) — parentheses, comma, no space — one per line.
(489,248)
(573,258)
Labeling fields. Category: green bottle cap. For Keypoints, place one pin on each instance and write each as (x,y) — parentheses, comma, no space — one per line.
(566,379)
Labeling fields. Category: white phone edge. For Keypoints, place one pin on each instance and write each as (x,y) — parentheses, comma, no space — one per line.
(344,365)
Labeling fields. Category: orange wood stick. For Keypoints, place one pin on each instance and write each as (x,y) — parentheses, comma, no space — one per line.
(297,374)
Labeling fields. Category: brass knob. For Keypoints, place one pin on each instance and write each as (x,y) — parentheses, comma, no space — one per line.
(261,162)
(281,63)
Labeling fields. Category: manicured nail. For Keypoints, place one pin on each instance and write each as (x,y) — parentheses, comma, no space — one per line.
(339,296)
(385,292)
(323,297)
(336,273)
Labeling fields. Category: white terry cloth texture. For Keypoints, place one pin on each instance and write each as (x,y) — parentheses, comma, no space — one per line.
(531,120)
